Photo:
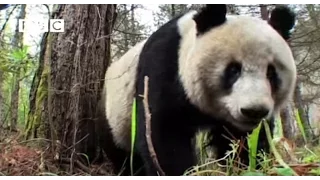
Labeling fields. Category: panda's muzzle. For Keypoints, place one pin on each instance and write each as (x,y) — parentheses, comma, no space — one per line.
(255,114)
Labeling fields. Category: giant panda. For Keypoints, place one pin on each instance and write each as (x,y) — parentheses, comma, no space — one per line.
(4,6)
(206,70)
(114,109)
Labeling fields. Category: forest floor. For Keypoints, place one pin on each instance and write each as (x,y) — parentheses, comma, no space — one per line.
(19,158)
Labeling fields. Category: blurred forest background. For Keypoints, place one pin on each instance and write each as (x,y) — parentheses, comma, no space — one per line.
(50,83)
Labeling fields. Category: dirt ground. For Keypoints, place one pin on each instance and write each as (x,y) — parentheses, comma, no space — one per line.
(22,158)
(19,157)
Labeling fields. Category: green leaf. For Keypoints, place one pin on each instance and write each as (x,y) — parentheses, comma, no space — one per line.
(249,173)
(311,159)
(20,54)
(253,143)
(285,172)
(315,172)
(133,131)
(274,149)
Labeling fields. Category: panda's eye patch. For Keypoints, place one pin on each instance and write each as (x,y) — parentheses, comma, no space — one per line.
(272,77)
(231,74)
(234,68)
(271,72)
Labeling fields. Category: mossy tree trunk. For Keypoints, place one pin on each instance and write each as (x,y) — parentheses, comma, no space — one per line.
(17,44)
(38,122)
(79,58)
(38,111)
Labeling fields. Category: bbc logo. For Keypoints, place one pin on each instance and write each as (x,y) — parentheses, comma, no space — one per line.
(52,25)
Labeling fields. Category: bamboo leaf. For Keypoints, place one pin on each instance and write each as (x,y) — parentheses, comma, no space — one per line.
(253,143)
(133,132)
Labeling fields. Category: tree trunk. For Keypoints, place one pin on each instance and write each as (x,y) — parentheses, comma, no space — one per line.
(126,29)
(264,12)
(39,94)
(133,28)
(302,113)
(173,11)
(17,44)
(79,60)
(286,120)
(2,100)
(4,111)
(232,9)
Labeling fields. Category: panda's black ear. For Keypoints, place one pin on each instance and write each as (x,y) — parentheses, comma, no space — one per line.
(210,16)
(282,19)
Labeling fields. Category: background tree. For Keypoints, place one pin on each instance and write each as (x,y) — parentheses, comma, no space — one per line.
(79,58)
(167,12)
(50,89)
(127,29)
(17,44)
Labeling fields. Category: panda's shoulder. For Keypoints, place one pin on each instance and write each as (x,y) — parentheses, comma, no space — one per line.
(164,35)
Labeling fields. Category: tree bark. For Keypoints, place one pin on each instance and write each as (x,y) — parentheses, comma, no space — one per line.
(38,115)
(264,12)
(173,11)
(286,120)
(302,113)
(17,44)
(2,100)
(232,9)
(79,59)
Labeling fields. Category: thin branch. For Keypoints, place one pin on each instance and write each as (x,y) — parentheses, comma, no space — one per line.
(130,33)
(48,9)
(5,24)
(148,127)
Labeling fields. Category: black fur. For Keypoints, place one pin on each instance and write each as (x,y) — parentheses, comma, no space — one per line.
(120,158)
(174,120)
(282,19)
(4,6)
(231,75)
(210,16)
(274,79)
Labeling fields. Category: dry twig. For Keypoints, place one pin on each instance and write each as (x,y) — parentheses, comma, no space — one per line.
(148,127)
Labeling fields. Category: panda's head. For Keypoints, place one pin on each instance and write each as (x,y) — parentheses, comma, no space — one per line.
(237,68)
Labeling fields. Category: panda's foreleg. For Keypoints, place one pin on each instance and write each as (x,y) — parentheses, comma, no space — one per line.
(114,154)
(223,145)
(172,146)
(174,154)
(262,147)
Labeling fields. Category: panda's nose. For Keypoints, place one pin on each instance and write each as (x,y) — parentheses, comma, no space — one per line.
(255,113)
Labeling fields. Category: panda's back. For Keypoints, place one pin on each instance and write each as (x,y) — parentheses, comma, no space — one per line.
(124,76)
(120,88)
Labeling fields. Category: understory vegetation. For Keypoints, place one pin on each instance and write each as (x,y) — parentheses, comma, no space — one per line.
(50,84)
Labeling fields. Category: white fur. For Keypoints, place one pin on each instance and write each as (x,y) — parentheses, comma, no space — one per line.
(203,59)
(120,90)
(252,42)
